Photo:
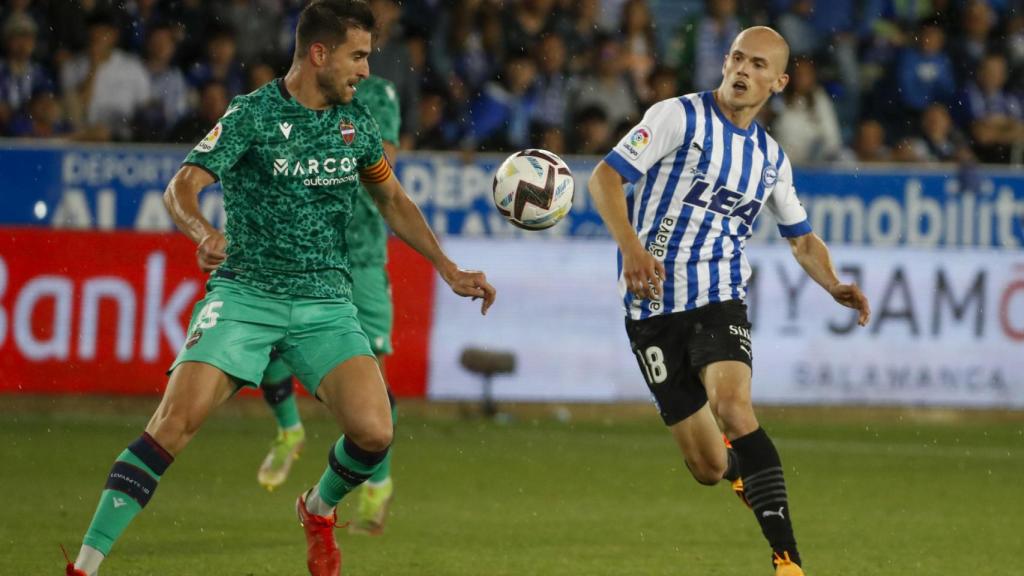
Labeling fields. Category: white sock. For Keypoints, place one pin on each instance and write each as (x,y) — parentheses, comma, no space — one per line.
(315,504)
(89,560)
(293,428)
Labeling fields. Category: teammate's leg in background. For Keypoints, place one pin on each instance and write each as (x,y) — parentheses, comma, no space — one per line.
(355,393)
(278,392)
(194,390)
(755,457)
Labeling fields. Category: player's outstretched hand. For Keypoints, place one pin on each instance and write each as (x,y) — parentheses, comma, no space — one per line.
(849,295)
(644,273)
(211,252)
(473,284)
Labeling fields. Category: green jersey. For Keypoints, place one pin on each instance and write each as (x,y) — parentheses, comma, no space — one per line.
(290,177)
(367,235)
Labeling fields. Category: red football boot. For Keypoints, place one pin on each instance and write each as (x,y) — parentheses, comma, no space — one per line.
(70,569)
(323,558)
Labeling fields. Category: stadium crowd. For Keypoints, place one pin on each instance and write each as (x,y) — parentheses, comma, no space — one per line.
(871,80)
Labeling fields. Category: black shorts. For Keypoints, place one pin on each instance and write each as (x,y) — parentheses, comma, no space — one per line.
(672,348)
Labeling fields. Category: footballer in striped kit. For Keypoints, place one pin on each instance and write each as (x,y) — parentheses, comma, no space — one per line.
(700,171)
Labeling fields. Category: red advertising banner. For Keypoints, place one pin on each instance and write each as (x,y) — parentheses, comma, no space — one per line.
(105,312)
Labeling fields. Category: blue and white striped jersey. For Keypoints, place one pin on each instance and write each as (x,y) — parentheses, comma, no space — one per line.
(698,184)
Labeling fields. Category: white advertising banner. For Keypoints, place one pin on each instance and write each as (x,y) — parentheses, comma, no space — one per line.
(947,327)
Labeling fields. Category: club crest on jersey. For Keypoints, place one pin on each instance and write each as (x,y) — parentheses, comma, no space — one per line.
(769,177)
(348,131)
(193,338)
(207,143)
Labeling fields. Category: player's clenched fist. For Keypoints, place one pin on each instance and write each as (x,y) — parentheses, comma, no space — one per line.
(211,251)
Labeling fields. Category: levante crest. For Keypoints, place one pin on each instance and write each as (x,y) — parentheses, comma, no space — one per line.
(348,131)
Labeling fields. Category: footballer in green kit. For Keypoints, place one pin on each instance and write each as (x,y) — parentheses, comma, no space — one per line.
(290,157)
(371,293)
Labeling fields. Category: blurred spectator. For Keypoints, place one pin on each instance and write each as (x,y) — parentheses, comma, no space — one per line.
(662,85)
(392,60)
(550,138)
(194,27)
(437,131)
(468,43)
(904,151)
(42,118)
(892,20)
(606,87)
(69,23)
(260,74)
(923,74)
(1014,49)
(885,55)
(552,82)
(796,27)
(805,121)
(169,102)
(993,115)
(609,14)
(104,87)
(255,26)
(500,116)
(582,34)
(869,143)
(220,63)
(640,46)
(37,12)
(971,45)
(20,77)
(213,101)
(698,51)
(140,17)
(593,131)
(940,140)
(527,20)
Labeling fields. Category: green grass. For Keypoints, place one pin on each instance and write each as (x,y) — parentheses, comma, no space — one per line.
(873,494)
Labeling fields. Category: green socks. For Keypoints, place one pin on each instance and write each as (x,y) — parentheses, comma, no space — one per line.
(349,467)
(130,485)
(281,399)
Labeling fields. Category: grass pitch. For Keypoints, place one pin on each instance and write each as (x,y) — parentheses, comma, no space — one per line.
(873,493)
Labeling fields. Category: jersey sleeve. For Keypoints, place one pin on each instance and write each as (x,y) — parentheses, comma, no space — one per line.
(227,141)
(784,204)
(660,132)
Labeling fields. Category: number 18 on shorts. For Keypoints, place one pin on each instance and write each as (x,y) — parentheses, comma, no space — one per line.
(672,348)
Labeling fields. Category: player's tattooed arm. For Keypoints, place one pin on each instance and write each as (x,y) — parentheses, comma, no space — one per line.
(643,272)
(813,255)
(182,201)
(407,222)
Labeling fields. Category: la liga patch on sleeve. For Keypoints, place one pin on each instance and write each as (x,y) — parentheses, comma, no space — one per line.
(637,142)
(207,143)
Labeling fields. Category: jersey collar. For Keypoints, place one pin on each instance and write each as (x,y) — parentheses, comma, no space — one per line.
(709,100)
(283,89)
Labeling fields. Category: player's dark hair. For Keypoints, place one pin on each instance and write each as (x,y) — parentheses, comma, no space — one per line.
(328,22)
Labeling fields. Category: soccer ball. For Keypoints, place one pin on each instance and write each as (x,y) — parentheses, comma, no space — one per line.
(533,189)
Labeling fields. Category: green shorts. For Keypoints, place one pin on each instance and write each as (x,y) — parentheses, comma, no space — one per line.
(235,327)
(371,293)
